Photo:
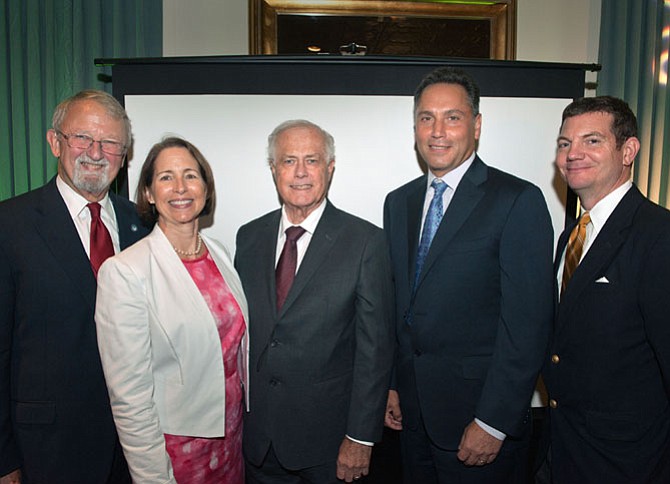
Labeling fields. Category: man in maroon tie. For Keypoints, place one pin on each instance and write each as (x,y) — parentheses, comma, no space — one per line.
(319,287)
(55,420)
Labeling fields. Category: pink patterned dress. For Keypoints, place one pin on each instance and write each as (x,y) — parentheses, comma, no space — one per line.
(215,460)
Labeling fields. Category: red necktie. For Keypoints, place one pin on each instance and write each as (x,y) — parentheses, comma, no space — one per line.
(101,242)
(285,272)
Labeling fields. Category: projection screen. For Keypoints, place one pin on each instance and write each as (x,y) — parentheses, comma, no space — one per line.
(227,106)
(373,139)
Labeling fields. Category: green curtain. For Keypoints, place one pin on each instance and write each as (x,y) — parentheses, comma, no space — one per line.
(47,48)
(634,41)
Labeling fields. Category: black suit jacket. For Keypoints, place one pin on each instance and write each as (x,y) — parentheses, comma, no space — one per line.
(55,419)
(610,374)
(481,313)
(320,367)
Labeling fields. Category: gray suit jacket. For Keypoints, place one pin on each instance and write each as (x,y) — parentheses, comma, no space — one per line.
(319,369)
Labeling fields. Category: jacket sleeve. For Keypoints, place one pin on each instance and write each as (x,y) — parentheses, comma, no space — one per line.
(9,455)
(654,301)
(374,341)
(526,311)
(124,341)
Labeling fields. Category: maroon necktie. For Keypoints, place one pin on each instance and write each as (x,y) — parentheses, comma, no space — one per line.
(101,242)
(288,260)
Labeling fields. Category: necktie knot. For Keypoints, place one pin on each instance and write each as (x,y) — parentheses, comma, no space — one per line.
(94,208)
(585,219)
(439,186)
(294,232)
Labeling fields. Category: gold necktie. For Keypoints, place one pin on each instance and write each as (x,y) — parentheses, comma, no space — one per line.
(573,252)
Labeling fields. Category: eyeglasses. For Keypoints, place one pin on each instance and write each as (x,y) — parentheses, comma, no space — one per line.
(84,142)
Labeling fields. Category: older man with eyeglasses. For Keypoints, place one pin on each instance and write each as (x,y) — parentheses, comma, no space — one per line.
(55,421)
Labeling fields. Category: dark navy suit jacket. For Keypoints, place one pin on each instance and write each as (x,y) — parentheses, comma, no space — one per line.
(481,313)
(55,419)
(610,375)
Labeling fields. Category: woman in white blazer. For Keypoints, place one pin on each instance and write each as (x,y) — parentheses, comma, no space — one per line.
(171,321)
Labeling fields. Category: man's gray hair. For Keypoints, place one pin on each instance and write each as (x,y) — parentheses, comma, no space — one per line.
(328,141)
(111,106)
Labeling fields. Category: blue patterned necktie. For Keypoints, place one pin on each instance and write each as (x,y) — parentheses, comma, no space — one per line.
(430,225)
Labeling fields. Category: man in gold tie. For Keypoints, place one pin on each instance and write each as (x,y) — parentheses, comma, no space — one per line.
(55,420)
(608,369)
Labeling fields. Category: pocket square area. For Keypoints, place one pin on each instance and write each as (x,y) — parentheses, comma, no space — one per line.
(603,280)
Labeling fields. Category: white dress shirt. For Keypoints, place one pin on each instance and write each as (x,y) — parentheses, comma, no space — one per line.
(452,179)
(600,212)
(81,215)
(309,224)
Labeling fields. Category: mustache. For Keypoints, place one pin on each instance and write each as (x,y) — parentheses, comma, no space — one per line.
(84,158)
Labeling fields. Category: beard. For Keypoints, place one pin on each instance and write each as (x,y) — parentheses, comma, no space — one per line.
(86,181)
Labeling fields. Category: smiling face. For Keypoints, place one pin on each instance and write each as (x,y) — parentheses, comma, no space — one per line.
(445,129)
(89,172)
(177,189)
(301,171)
(588,158)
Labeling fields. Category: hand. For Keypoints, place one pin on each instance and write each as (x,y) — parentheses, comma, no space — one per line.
(353,460)
(477,446)
(393,415)
(13,477)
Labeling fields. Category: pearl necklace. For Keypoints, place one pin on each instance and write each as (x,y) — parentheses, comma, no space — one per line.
(187,253)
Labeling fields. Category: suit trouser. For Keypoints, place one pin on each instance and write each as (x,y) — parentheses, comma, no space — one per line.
(271,471)
(426,463)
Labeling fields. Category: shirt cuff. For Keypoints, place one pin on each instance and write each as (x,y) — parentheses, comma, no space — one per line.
(490,430)
(363,442)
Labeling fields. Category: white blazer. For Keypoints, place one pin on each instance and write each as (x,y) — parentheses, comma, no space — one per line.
(160,351)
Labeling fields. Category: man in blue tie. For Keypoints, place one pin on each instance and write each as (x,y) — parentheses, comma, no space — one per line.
(471,249)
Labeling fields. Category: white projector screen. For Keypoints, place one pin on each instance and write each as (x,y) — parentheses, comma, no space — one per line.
(373,140)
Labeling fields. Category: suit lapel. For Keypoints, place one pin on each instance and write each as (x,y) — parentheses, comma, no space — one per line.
(604,248)
(414,213)
(322,242)
(129,231)
(267,250)
(468,194)
(59,233)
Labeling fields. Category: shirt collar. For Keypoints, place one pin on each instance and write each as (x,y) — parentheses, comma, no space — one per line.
(76,204)
(453,177)
(602,210)
(309,224)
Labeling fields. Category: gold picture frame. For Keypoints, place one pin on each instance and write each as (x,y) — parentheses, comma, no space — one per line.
(495,18)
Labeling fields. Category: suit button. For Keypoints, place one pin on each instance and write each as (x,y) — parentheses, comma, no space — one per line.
(274,382)
(553,403)
(274,343)
(555,359)
(417,352)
